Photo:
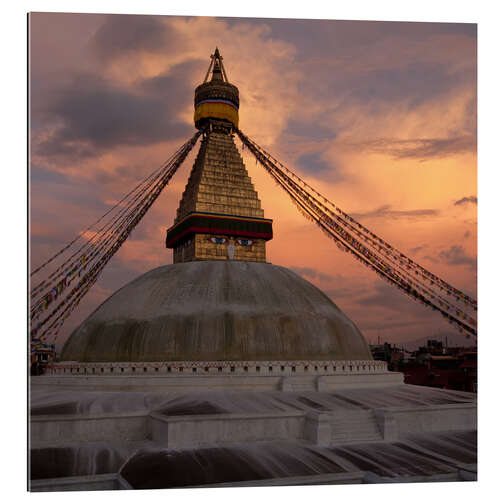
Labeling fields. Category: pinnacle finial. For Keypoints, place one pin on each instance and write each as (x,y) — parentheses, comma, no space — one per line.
(217,68)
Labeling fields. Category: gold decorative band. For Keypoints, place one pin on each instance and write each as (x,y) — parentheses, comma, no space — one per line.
(216,110)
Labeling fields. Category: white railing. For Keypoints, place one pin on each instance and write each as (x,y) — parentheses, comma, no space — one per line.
(263,368)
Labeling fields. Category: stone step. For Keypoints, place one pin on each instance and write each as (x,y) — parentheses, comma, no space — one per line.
(354,426)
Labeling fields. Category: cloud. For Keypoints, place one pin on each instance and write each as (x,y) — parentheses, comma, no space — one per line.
(309,272)
(309,130)
(313,163)
(414,83)
(456,256)
(96,115)
(385,212)
(393,301)
(317,37)
(173,83)
(417,249)
(430,258)
(389,324)
(419,149)
(466,199)
(120,35)
(41,176)
(382,295)
(341,292)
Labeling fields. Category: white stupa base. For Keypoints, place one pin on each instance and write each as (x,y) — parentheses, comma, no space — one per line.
(187,376)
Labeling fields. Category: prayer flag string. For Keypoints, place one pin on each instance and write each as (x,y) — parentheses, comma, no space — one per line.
(367,248)
(57,308)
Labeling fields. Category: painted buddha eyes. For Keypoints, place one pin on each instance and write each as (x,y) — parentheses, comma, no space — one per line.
(220,241)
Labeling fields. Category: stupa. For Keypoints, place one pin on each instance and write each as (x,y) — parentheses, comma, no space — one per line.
(220,302)
(224,369)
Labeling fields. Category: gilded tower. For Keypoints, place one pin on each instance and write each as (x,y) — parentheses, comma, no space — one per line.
(220,215)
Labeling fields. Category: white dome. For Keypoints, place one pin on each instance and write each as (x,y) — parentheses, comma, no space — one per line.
(217,310)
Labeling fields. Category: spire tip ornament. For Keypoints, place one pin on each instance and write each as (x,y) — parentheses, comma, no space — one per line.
(216,99)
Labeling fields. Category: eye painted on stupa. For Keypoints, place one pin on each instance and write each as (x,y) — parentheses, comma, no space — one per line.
(245,243)
(219,241)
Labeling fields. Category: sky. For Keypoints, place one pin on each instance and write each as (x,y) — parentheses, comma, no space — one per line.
(380,117)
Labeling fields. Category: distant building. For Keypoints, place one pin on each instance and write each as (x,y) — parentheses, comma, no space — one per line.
(41,356)
(432,365)
(392,355)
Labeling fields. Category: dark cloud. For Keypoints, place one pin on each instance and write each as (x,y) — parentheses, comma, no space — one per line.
(415,83)
(337,282)
(383,295)
(419,149)
(55,240)
(118,273)
(430,258)
(341,292)
(119,35)
(417,249)
(394,312)
(456,256)
(309,272)
(123,174)
(314,165)
(41,175)
(176,81)
(85,196)
(97,116)
(401,84)
(339,54)
(340,37)
(467,234)
(307,130)
(385,212)
(467,199)
(376,326)
(469,119)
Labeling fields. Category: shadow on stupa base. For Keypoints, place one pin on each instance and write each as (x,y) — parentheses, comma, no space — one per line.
(92,440)
(283,463)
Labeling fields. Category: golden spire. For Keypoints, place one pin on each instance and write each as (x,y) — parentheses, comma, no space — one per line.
(220,215)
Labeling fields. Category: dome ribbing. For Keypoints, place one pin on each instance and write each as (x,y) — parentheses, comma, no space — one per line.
(217,310)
